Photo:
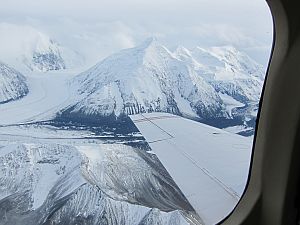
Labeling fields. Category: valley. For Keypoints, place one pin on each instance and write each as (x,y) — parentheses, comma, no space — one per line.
(69,153)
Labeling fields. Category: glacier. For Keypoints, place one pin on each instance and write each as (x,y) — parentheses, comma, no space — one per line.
(69,153)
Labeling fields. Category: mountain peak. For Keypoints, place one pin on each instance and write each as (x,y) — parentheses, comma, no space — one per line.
(26,48)
(151,50)
(150,41)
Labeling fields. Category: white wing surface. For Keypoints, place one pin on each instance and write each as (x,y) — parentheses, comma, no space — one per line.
(209,165)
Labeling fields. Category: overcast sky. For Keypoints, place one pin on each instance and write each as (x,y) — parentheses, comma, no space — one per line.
(99,28)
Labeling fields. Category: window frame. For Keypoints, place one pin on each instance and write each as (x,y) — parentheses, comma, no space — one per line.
(274,171)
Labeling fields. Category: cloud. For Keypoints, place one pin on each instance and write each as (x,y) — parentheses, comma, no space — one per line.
(222,34)
(98,28)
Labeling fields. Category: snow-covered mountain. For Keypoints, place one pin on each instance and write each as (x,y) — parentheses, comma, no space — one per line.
(219,86)
(25,47)
(61,184)
(12,84)
(236,78)
(229,71)
(144,79)
(46,56)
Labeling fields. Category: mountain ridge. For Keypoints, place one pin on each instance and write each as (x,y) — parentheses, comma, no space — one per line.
(215,85)
(144,77)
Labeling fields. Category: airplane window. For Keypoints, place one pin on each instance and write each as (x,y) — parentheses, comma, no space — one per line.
(128,112)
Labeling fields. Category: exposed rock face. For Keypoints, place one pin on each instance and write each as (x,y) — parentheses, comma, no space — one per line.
(47,61)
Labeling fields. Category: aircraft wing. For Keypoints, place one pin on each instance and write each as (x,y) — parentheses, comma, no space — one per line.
(209,165)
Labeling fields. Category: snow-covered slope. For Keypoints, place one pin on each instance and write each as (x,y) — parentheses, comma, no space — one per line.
(219,86)
(46,56)
(110,184)
(229,71)
(27,48)
(12,84)
(236,78)
(144,79)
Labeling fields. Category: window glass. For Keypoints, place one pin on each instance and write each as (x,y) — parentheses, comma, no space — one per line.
(128,112)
